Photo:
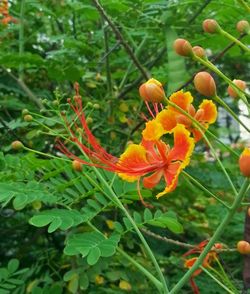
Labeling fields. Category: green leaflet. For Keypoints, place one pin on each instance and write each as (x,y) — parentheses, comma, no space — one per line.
(57,218)
(91,245)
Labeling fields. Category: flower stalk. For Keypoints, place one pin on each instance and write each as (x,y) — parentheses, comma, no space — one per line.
(219,231)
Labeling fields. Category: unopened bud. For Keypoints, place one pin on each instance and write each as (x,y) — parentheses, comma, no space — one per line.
(244,162)
(96,106)
(152,91)
(240,84)
(44,101)
(89,120)
(183,47)
(243,26)
(243,247)
(205,84)
(76,165)
(17,145)
(28,118)
(55,102)
(211,26)
(25,111)
(199,51)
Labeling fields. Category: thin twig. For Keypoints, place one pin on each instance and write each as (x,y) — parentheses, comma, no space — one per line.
(202,7)
(107,65)
(120,38)
(181,244)
(137,81)
(25,88)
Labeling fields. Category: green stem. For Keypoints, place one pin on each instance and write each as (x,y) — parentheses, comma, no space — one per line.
(219,231)
(198,184)
(156,282)
(223,144)
(220,164)
(233,39)
(45,154)
(244,4)
(117,201)
(229,110)
(216,280)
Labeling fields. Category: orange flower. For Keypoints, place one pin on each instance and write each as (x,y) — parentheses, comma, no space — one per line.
(170,117)
(157,158)
(210,257)
(4,11)
(151,160)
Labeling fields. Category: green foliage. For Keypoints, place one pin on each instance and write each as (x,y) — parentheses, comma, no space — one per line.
(91,245)
(63,226)
(10,277)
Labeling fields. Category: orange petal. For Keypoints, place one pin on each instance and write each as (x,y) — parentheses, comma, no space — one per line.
(210,111)
(171,174)
(152,180)
(182,99)
(133,159)
(153,131)
(189,263)
(167,118)
(198,134)
(183,145)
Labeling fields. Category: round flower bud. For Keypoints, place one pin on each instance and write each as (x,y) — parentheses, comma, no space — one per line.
(211,26)
(89,120)
(28,118)
(205,84)
(243,26)
(25,111)
(76,165)
(240,84)
(152,91)
(244,162)
(199,51)
(55,102)
(183,47)
(243,247)
(17,145)
(96,106)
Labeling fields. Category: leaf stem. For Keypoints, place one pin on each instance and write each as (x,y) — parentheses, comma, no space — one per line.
(198,184)
(150,254)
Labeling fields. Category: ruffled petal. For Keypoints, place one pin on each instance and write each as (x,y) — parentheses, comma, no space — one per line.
(134,160)
(210,111)
(171,174)
(183,145)
(153,131)
(167,118)
(182,99)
